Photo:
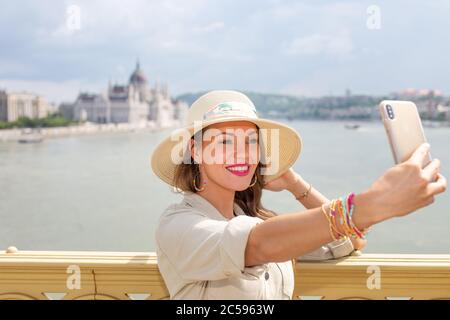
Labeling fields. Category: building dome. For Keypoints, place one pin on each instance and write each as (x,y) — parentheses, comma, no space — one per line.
(138,77)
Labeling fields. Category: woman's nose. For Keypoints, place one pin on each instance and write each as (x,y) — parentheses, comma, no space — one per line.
(245,154)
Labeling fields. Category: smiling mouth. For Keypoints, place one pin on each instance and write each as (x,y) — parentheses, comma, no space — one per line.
(239,170)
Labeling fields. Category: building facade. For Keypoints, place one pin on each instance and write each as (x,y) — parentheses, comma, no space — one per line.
(135,102)
(14,105)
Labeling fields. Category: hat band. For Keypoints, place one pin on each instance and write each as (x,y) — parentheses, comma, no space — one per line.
(231,109)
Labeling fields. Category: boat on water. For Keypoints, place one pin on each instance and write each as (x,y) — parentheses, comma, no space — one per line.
(30,136)
(352,126)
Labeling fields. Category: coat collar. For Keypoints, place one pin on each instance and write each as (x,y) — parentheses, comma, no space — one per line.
(206,207)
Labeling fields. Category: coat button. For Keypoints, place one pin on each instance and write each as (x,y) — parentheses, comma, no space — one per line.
(266,276)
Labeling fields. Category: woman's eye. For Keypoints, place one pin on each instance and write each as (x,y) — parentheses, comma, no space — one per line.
(227,141)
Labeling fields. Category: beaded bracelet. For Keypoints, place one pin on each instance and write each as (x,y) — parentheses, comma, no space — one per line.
(340,214)
(330,225)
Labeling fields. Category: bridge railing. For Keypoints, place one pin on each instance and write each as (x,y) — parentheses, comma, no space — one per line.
(135,275)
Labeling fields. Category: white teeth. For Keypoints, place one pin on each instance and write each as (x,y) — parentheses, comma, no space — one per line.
(239,168)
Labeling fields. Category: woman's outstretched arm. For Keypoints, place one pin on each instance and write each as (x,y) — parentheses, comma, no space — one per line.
(399,191)
(312,198)
(288,236)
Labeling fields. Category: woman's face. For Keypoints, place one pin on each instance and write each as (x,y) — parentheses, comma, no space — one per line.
(230,155)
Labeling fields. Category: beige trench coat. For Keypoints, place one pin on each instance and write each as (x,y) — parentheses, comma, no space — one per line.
(201,255)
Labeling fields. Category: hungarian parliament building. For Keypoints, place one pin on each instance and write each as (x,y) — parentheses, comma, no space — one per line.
(135,102)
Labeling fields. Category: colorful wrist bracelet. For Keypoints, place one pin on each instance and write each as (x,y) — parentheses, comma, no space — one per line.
(340,219)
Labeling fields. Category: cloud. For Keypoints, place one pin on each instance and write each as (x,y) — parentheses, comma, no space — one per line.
(13,67)
(210,27)
(266,45)
(335,45)
(51,90)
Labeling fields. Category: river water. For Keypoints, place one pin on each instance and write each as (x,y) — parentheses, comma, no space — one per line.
(97,192)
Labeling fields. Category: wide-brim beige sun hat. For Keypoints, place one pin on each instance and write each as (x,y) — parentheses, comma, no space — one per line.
(281,144)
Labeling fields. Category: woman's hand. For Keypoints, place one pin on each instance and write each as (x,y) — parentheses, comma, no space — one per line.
(283,182)
(401,190)
(358,244)
(295,184)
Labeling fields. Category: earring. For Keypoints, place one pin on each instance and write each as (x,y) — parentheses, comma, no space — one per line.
(256,179)
(198,189)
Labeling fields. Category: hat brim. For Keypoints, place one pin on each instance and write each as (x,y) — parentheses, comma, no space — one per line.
(289,148)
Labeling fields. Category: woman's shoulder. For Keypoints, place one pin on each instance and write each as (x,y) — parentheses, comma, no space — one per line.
(179,209)
(183,213)
(176,218)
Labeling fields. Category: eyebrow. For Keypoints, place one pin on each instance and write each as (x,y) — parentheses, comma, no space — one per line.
(230,134)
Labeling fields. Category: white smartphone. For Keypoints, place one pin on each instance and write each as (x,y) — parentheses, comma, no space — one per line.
(404,129)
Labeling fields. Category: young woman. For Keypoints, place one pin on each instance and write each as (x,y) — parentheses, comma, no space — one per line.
(219,242)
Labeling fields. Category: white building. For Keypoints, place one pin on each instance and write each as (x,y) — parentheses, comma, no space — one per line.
(91,107)
(14,105)
(135,102)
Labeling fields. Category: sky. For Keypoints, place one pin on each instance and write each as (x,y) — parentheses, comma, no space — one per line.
(302,48)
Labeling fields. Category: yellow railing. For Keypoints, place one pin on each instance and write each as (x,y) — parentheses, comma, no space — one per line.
(135,275)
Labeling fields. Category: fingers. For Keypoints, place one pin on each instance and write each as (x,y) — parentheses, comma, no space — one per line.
(359,244)
(419,154)
(431,170)
(439,186)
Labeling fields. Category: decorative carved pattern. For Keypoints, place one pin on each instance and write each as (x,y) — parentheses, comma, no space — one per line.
(35,275)
(54,295)
(138,296)
(16,296)
(96,297)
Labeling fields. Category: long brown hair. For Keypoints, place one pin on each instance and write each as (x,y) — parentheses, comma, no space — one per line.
(249,200)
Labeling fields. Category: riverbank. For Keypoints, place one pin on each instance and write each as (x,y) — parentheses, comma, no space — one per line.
(87,128)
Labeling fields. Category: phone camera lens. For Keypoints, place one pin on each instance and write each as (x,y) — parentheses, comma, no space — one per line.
(390,111)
